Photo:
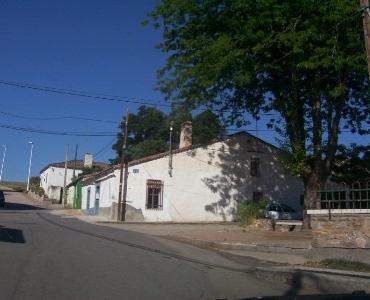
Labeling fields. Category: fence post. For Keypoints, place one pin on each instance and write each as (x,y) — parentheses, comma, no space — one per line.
(329,204)
(347,198)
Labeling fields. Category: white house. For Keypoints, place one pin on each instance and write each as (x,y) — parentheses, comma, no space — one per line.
(52,176)
(196,183)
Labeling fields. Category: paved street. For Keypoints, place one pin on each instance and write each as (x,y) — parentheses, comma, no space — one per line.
(43,256)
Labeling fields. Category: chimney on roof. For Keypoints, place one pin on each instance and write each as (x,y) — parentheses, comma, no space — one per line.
(186,134)
(88,161)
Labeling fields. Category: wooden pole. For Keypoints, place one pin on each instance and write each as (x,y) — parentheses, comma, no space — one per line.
(65,178)
(122,192)
(366,23)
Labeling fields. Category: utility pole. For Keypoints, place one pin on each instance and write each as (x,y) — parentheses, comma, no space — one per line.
(75,162)
(2,163)
(122,193)
(170,151)
(65,178)
(29,167)
(365,7)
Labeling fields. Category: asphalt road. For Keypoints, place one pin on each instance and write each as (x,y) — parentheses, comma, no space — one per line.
(44,256)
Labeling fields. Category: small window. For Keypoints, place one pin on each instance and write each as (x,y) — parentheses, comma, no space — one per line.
(135,171)
(255,167)
(257,196)
(154,193)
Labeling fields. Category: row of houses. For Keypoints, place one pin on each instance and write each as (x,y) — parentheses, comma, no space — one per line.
(194,183)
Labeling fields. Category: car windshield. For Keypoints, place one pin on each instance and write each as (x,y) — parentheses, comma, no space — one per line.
(286,208)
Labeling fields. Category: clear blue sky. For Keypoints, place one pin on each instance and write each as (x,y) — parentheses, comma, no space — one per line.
(94,46)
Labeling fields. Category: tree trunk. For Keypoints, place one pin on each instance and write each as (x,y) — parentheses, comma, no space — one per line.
(313,185)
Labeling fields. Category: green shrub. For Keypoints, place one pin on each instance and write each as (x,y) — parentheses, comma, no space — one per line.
(37,190)
(250,211)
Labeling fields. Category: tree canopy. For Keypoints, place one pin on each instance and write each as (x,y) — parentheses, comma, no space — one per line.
(148,130)
(304,60)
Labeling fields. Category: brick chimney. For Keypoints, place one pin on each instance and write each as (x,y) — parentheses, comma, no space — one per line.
(186,134)
(88,161)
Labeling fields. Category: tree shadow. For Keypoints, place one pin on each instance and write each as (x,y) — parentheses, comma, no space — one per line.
(296,291)
(297,285)
(10,235)
(234,182)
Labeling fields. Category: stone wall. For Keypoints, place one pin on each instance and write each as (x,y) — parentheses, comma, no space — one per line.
(35,196)
(345,231)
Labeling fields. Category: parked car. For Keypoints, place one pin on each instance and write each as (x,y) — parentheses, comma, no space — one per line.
(279,211)
(2,199)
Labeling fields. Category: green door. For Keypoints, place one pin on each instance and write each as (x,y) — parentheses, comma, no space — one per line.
(77,196)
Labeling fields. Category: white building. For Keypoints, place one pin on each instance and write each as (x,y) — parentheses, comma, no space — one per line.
(52,176)
(203,183)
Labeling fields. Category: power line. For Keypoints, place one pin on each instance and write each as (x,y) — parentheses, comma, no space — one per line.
(56,118)
(65,133)
(88,95)
(94,96)
(105,147)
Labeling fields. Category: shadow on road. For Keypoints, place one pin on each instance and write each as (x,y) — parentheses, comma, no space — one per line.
(19,206)
(4,205)
(10,235)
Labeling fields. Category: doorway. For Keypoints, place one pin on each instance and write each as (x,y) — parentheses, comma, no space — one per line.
(97,199)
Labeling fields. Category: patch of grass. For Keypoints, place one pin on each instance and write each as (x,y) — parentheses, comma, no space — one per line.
(340,264)
(16,186)
(248,212)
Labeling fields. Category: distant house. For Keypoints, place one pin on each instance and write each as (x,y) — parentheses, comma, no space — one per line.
(52,176)
(195,182)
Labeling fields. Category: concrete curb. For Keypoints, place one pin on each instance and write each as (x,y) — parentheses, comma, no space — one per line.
(240,246)
(166,223)
(325,280)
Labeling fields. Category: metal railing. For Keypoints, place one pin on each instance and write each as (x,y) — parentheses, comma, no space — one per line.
(343,196)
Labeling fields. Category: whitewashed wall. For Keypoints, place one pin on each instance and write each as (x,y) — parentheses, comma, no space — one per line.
(207,184)
(53,177)
(84,195)
(70,196)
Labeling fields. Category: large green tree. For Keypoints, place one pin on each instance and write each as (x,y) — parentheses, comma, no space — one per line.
(352,165)
(302,59)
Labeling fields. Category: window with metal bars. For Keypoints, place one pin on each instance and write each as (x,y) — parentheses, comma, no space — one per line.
(154,194)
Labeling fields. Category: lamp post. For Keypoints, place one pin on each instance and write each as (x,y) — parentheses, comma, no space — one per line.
(2,163)
(29,167)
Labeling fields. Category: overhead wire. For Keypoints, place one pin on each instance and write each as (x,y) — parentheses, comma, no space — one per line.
(105,147)
(56,118)
(94,96)
(64,133)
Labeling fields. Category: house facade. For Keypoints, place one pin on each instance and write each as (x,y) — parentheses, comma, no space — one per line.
(52,176)
(196,183)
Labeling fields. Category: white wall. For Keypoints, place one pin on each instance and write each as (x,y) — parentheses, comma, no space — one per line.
(84,195)
(53,177)
(70,196)
(207,184)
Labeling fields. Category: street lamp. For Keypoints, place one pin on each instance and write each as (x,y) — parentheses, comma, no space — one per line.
(29,167)
(2,164)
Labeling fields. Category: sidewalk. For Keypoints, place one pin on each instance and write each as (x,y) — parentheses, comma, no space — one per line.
(230,238)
